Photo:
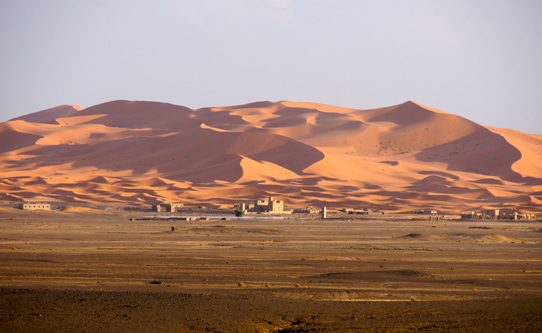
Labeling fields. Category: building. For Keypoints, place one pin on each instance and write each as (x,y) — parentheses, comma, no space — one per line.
(324,212)
(486,214)
(307,210)
(175,206)
(160,208)
(171,207)
(497,214)
(508,214)
(35,206)
(471,215)
(426,211)
(263,206)
(242,207)
(364,211)
(491,214)
(269,205)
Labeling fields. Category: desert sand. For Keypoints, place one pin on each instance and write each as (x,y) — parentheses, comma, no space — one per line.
(394,158)
(80,271)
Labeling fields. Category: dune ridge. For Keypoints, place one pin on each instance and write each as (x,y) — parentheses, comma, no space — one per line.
(396,158)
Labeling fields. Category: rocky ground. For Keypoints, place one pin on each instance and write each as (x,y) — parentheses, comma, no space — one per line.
(89,273)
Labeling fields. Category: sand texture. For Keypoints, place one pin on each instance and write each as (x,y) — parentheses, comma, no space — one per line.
(394,158)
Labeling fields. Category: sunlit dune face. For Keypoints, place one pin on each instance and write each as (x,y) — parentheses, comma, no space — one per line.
(395,158)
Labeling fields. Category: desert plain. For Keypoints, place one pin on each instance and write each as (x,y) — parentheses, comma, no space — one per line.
(83,272)
(92,266)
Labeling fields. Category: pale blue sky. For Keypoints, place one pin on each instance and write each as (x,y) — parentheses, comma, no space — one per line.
(481,59)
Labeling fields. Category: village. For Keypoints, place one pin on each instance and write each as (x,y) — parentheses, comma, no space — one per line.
(271,206)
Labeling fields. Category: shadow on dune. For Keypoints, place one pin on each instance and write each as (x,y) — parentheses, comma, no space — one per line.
(49,116)
(481,152)
(142,114)
(196,155)
(12,140)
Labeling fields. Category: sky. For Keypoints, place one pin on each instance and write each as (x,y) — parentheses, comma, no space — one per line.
(481,59)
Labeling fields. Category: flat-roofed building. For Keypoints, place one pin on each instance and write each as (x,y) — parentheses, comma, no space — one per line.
(171,207)
(35,206)
(500,214)
(265,206)
(307,210)
(426,211)
(175,206)
(364,211)
(491,214)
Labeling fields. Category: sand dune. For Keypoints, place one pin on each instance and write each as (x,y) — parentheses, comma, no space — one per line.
(530,148)
(394,158)
(50,116)
(11,139)
(256,171)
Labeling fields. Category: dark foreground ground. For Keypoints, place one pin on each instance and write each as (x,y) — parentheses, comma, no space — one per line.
(27,310)
(83,273)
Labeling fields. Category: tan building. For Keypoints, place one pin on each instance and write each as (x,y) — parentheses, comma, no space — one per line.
(491,214)
(175,206)
(364,211)
(507,214)
(471,215)
(307,210)
(159,208)
(271,206)
(426,211)
(35,206)
(497,214)
(171,207)
(487,214)
(263,206)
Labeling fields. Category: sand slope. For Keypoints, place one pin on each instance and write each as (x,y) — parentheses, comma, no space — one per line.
(395,158)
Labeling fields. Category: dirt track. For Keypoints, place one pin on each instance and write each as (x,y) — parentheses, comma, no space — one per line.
(62,272)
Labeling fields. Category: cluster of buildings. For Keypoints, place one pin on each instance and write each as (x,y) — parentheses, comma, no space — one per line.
(432,213)
(353,211)
(269,205)
(426,211)
(171,207)
(263,206)
(272,205)
(307,210)
(497,214)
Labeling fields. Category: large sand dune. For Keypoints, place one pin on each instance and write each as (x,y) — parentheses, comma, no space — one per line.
(396,158)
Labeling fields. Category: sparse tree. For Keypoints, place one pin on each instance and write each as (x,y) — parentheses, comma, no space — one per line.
(238,212)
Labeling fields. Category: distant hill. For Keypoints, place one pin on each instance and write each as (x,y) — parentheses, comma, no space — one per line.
(393,158)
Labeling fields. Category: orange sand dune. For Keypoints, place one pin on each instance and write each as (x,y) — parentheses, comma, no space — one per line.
(530,148)
(396,158)
(51,115)
(11,139)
